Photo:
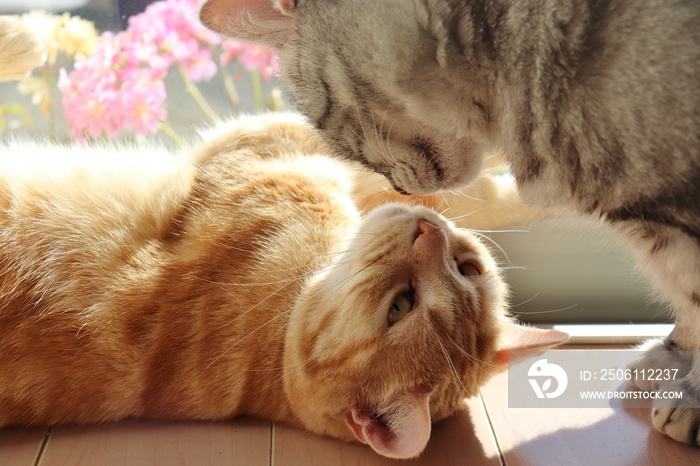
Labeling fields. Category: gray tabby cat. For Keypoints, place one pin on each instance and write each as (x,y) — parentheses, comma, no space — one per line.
(595,104)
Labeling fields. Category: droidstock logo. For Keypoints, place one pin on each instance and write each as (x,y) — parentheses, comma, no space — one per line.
(546,372)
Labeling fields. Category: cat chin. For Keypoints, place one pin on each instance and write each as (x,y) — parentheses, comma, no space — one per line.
(424,186)
(455,166)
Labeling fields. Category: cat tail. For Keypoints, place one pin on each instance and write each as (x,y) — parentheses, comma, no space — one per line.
(21,50)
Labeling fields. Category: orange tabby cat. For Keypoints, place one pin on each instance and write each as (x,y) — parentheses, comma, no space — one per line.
(237,280)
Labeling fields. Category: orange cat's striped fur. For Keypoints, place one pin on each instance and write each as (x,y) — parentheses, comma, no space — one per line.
(238,279)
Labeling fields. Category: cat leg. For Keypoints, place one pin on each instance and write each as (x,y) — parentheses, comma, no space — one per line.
(21,50)
(674,260)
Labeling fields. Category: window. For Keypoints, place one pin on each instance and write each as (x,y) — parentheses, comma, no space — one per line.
(575,271)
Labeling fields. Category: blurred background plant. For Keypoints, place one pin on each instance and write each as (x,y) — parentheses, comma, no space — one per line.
(125,83)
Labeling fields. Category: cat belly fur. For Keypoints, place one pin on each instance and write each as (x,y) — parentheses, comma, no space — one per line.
(123,295)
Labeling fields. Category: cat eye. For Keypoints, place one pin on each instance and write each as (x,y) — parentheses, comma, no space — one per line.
(468,269)
(402,305)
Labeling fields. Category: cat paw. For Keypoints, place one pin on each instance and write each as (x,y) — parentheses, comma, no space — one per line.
(21,50)
(678,418)
(675,411)
(659,357)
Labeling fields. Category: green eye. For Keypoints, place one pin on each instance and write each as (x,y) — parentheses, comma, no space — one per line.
(402,305)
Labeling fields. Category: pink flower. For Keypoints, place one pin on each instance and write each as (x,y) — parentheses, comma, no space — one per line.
(173,28)
(251,56)
(231,50)
(142,104)
(88,113)
(120,86)
(112,90)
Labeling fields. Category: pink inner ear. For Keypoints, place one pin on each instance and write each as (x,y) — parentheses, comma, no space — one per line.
(286,4)
(521,337)
(254,20)
(402,431)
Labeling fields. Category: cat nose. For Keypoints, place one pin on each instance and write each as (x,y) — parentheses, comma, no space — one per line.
(428,235)
(429,244)
(425,227)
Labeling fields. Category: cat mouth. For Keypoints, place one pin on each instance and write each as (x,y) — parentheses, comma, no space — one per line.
(396,187)
(431,173)
(429,151)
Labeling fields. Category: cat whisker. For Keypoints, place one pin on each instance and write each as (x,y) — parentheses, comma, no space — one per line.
(360,120)
(456,192)
(500,231)
(241,284)
(232,248)
(290,281)
(512,267)
(463,193)
(476,361)
(551,311)
(292,368)
(393,159)
(460,217)
(235,248)
(382,146)
(492,241)
(252,332)
(446,202)
(284,280)
(525,302)
(296,366)
(343,282)
(487,170)
(453,370)
(274,293)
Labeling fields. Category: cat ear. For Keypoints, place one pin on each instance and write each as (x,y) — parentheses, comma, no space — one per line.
(270,22)
(401,431)
(521,337)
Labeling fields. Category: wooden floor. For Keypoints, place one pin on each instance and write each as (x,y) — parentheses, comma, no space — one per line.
(486,433)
